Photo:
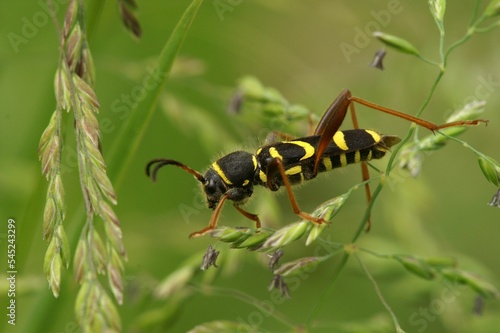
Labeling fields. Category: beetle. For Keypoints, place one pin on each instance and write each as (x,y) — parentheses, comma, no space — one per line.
(289,162)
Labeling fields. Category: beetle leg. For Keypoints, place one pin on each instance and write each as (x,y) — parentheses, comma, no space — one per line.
(330,123)
(213,220)
(276,166)
(253,217)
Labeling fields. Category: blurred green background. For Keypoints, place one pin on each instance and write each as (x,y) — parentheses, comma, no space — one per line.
(294,46)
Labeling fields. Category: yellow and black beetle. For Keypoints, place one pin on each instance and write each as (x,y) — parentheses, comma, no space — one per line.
(290,162)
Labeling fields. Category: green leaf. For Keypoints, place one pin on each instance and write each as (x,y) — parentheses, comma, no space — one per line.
(253,241)
(491,170)
(441,262)
(438,8)
(251,87)
(315,232)
(49,214)
(131,133)
(79,260)
(469,111)
(285,235)
(474,281)
(230,234)
(65,250)
(396,42)
(493,9)
(416,265)
(436,141)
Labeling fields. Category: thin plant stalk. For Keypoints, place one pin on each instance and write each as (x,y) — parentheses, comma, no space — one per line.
(391,163)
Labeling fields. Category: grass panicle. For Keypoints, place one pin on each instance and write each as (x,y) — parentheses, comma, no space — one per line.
(49,153)
(397,43)
(252,96)
(412,154)
(268,240)
(129,19)
(431,268)
(95,255)
(100,256)
(263,240)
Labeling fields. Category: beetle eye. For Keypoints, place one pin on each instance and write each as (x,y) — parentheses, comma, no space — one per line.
(210,186)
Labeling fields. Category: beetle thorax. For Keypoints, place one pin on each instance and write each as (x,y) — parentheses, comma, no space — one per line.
(231,175)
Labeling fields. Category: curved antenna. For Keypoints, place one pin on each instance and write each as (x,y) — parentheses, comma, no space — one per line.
(161,162)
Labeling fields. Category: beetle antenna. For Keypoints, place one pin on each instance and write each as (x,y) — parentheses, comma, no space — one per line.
(161,162)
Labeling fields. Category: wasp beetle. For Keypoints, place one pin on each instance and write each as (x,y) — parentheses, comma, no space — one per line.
(289,162)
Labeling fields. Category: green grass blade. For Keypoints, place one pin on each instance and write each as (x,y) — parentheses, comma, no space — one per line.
(130,135)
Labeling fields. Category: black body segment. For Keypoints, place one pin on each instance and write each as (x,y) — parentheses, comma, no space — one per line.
(298,156)
(232,176)
(236,169)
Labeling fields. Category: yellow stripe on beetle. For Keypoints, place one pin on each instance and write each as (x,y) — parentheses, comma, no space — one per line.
(357,156)
(274,153)
(262,176)
(308,149)
(339,140)
(294,170)
(376,137)
(327,162)
(343,159)
(254,161)
(221,173)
